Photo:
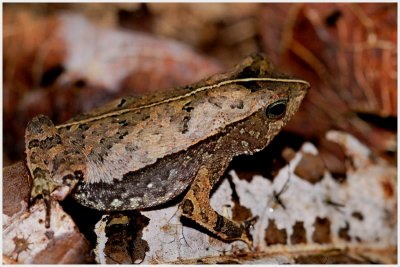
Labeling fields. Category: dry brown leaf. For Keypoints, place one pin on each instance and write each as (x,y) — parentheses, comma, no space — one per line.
(348,52)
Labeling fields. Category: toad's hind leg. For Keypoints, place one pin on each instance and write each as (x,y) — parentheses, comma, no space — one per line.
(48,162)
(196,206)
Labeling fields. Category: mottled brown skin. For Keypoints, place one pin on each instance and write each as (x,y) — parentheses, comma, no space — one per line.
(224,148)
(137,153)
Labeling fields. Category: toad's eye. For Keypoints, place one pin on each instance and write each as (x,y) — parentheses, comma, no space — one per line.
(277,109)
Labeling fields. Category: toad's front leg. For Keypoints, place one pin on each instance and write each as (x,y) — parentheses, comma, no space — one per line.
(196,206)
(54,168)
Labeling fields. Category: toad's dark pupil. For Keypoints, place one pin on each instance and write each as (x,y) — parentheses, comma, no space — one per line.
(277,109)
